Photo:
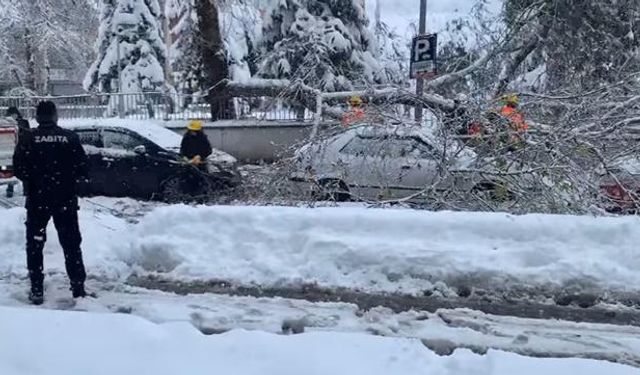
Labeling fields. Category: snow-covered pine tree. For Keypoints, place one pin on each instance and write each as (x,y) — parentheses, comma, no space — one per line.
(184,53)
(133,27)
(393,50)
(325,43)
(240,28)
(577,44)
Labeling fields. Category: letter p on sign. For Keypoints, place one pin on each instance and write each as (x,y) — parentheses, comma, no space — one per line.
(424,55)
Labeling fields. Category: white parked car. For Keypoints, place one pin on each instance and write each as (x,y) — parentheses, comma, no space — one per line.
(376,162)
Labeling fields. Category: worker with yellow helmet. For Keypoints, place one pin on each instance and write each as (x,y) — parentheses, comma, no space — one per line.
(195,146)
(355,114)
(517,124)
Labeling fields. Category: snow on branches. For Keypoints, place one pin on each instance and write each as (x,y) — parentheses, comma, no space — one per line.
(37,36)
(326,43)
(130,40)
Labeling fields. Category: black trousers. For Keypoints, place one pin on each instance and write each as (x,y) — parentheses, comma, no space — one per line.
(65,219)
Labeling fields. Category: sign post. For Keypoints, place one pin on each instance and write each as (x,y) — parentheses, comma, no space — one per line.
(424,57)
(417,59)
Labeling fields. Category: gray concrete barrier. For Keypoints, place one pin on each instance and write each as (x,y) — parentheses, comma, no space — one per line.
(255,142)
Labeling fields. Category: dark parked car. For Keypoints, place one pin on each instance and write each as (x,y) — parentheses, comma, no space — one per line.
(142,161)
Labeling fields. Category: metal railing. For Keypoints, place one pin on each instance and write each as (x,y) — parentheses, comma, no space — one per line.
(163,106)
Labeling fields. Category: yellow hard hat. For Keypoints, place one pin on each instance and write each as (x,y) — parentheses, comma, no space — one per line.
(355,100)
(195,125)
(511,99)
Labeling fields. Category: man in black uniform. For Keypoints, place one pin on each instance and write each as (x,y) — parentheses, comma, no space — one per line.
(51,162)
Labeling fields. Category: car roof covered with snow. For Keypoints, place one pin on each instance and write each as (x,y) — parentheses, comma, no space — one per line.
(156,133)
(453,148)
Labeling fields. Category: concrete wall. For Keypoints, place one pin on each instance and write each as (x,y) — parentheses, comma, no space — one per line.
(254,143)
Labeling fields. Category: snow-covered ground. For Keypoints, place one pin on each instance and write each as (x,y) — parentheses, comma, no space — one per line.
(373,250)
(390,250)
(122,344)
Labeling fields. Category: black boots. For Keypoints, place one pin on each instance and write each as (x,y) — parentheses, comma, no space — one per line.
(36,296)
(77,290)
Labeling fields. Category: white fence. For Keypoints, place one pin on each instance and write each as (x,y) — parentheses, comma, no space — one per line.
(162,106)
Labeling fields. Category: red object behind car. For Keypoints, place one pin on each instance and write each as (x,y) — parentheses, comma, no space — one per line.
(622,197)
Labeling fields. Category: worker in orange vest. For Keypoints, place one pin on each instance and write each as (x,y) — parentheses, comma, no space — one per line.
(517,124)
(355,114)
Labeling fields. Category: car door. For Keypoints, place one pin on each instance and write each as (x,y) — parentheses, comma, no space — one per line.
(366,162)
(91,141)
(395,166)
(131,171)
(416,164)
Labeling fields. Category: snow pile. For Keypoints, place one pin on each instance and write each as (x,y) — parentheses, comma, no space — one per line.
(101,233)
(388,250)
(368,249)
(122,344)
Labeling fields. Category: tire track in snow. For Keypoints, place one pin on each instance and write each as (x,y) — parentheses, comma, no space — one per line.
(487,303)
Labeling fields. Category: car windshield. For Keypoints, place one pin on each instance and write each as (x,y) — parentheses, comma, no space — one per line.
(390,147)
(161,136)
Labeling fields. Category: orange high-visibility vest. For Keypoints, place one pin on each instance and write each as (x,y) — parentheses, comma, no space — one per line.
(354,116)
(516,119)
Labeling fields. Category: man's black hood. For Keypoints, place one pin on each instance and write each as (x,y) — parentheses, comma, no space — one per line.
(46,113)
(47,124)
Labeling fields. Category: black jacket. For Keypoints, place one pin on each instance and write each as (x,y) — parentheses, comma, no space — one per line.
(23,127)
(195,144)
(51,162)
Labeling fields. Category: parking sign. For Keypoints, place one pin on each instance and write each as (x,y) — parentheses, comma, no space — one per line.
(424,50)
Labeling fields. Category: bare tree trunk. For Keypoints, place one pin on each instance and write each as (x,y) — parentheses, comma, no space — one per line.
(15,72)
(215,70)
(30,81)
(47,73)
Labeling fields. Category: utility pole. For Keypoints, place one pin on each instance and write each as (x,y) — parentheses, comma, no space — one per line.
(420,82)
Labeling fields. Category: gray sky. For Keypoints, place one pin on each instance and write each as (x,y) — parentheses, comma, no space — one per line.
(399,14)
